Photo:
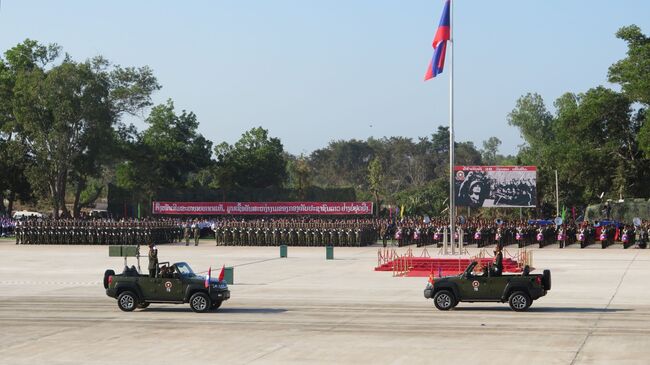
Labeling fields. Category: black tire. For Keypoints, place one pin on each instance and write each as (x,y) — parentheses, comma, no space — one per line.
(127,301)
(216,304)
(546,279)
(107,273)
(143,305)
(200,302)
(519,301)
(444,300)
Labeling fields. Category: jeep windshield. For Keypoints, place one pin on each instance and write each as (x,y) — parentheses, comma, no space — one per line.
(185,270)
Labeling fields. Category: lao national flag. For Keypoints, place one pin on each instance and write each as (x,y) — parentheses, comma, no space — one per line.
(207,278)
(440,45)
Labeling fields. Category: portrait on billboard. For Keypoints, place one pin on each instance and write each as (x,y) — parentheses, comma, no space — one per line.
(495,186)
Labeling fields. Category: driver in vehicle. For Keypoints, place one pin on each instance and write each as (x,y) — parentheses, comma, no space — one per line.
(479,271)
(166,272)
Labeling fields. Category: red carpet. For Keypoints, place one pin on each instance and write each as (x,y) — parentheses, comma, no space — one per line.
(423,266)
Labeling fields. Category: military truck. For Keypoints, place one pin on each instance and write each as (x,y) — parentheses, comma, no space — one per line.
(480,284)
(175,283)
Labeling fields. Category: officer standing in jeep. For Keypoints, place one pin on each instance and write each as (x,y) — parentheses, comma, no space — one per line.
(497,268)
(153,260)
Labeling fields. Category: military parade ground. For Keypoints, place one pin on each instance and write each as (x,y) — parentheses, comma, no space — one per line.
(275,182)
(306,309)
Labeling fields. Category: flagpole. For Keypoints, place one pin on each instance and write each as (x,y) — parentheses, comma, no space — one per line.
(452,208)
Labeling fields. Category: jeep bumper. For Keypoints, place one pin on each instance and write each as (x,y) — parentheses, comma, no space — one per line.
(536,293)
(220,295)
(428,293)
(111,292)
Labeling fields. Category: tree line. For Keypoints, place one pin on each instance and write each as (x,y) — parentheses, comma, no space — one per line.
(63,139)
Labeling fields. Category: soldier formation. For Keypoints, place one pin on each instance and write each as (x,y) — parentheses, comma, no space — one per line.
(308,231)
(521,233)
(95,232)
(295,232)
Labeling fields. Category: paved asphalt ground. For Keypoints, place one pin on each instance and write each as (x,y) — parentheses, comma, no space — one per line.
(308,310)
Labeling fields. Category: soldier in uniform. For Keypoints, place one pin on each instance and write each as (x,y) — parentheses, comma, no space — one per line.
(227,236)
(18,231)
(257,238)
(214,228)
(383,232)
(497,268)
(153,260)
(197,233)
(186,234)
(236,235)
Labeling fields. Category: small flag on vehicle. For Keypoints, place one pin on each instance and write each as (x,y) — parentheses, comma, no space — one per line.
(207,277)
(222,273)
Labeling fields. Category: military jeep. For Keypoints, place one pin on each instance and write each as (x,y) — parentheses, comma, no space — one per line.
(480,284)
(175,284)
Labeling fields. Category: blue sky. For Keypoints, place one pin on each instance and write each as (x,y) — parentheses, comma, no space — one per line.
(316,71)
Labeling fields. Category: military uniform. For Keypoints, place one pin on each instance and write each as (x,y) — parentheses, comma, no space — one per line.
(153,261)
(186,234)
(197,233)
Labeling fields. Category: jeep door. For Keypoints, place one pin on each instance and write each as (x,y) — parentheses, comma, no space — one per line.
(171,288)
(475,287)
(148,286)
(498,285)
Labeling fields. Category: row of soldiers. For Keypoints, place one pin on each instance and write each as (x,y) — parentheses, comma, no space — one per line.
(96,232)
(237,233)
(521,235)
(294,236)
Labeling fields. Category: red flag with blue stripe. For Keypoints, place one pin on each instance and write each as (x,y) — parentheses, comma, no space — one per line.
(440,44)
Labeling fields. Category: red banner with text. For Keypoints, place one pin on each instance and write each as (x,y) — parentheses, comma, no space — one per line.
(274,208)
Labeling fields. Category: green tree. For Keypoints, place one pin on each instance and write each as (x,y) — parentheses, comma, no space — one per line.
(299,174)
(429,199)
(169,154)
(66,113)
(375,180)
(633,72)
(14,157)
(490,150)
(255,161)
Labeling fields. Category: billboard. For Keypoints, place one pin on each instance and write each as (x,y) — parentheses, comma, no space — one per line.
(254,208)
(495,186)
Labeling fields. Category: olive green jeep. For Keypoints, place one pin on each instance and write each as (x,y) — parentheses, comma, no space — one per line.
(175,284)
(478,284)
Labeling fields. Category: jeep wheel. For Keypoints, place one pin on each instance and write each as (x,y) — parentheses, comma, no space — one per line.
(107,273)
(127,301)
(216,304)
(444,300)
(200,302)
(519,301)
(143,305)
